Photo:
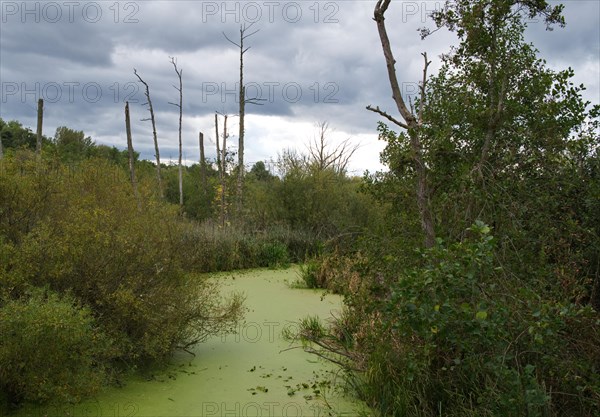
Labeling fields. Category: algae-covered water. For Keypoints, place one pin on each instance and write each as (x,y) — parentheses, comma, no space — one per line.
(250,373)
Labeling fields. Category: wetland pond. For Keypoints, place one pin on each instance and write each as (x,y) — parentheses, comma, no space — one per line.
(249,373)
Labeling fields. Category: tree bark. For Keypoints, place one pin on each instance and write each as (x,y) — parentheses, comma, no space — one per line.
(240,179)
(218,147)
(40,119)
(202,161)
(154,134)
(131,155)
(223,179)
(242,113)
(412,125)
(180,105)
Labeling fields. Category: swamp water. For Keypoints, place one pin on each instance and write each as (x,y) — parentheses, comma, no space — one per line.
(246,374)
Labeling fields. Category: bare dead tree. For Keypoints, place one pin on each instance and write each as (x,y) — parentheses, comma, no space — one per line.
(223,203)
(218,146)
(179,72)
(131,156)
(411,123)
(242,110)
(154,135)
(224,147)
(323,157)
(40,119)
(202,161)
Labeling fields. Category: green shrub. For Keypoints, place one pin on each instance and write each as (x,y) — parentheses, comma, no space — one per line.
(117,258)
(51,349)
(274,255)
(454,336)
(308,273)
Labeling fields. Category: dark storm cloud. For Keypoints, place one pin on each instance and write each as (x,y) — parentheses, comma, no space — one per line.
(309,62)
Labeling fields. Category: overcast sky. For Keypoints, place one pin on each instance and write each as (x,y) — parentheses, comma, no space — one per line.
(310,61)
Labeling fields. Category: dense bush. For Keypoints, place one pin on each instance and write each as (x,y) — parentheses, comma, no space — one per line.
(80,231)
(457,337)
(51,349)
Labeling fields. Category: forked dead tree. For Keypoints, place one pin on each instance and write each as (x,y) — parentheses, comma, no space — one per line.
(154,135)
(412,122)
(179,72)
(323,157)
(242,110)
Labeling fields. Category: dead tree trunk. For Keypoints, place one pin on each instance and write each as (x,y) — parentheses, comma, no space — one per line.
(223,170)
(412,124)
(218,147)
(240,179)
(180,105)
(155,136)
(202,161)
(242,112)
(40,119)
(131,155)
(224,147)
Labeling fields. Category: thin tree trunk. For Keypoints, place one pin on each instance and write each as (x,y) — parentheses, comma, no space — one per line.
(242,98)
(240,180)
(154,135)
(40,119)
(224,165)
(218,147)
(131,155)
(180,105)
(242,113)
(224,147)
(202,161)
(412,125)
(1,150)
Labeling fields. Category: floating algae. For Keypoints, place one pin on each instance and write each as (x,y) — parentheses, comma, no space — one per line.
(249,373)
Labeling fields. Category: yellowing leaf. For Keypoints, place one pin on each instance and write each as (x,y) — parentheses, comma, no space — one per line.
(481,315)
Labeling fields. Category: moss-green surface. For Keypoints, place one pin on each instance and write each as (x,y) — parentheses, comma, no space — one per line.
(243,374)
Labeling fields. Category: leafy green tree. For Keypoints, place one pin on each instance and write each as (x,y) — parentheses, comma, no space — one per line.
(72,145)
(497,143)
(496,131)
(260,173)
(14,135)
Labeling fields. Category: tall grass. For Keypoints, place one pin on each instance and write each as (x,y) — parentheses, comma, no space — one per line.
(206,247)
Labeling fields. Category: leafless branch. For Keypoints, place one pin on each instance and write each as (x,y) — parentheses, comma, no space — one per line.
(423,85)
(387,116)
